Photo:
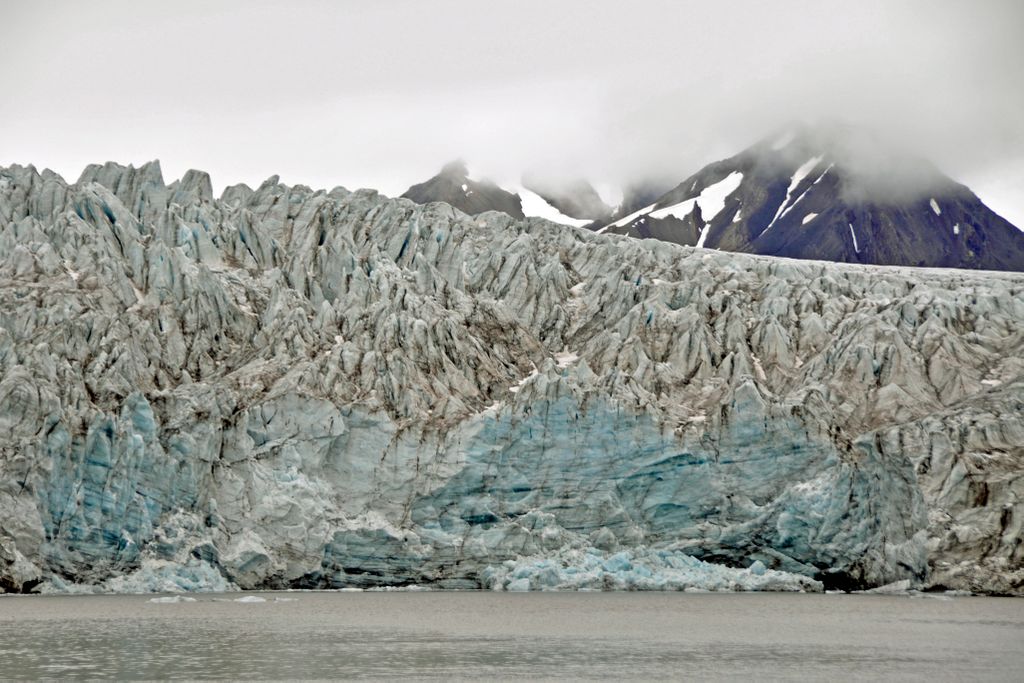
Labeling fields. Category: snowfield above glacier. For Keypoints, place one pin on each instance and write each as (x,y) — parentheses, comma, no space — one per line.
(293,388)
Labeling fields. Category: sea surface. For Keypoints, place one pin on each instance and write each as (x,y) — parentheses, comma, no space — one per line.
(481,635)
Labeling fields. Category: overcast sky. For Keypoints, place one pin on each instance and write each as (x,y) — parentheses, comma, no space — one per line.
(381,94)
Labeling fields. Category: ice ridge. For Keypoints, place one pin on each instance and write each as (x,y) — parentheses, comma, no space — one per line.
(284,387)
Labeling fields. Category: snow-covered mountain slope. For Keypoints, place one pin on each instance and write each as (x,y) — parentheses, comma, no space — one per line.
(576,204)
(284,387)
(830,193)
(576,199)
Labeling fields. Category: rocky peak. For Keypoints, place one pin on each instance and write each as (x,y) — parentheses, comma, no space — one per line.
(473,196)
(831,192)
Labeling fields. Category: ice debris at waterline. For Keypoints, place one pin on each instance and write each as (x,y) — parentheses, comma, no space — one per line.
(592,569)
(154,576)
(308,389)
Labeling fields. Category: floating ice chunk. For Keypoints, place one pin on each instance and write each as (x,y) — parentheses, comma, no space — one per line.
(250,598)
(171,599)
(935,207)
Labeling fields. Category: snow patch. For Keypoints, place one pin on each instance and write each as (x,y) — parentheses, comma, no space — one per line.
(804,193)
(808,218)
(628,219)
(794,183)
(956,229)
(535,206)
(855,247)
(703,235)
(711,199)
(935,206)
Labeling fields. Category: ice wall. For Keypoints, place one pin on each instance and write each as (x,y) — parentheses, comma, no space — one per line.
(284,387)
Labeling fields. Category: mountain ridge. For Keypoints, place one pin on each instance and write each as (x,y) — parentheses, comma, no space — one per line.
(804,198)
(828,191)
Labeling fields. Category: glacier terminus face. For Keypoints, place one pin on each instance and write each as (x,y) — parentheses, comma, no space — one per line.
(297,388)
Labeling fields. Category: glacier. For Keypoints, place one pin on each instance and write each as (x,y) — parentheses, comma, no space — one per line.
(289,388)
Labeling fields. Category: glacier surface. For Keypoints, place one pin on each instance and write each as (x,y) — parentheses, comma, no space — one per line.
(288,388)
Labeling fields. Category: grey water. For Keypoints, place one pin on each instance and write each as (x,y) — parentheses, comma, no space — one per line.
(480,635)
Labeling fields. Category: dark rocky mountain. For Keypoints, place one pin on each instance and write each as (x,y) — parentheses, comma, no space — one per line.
(574,202)
(454,186)
(831,193)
